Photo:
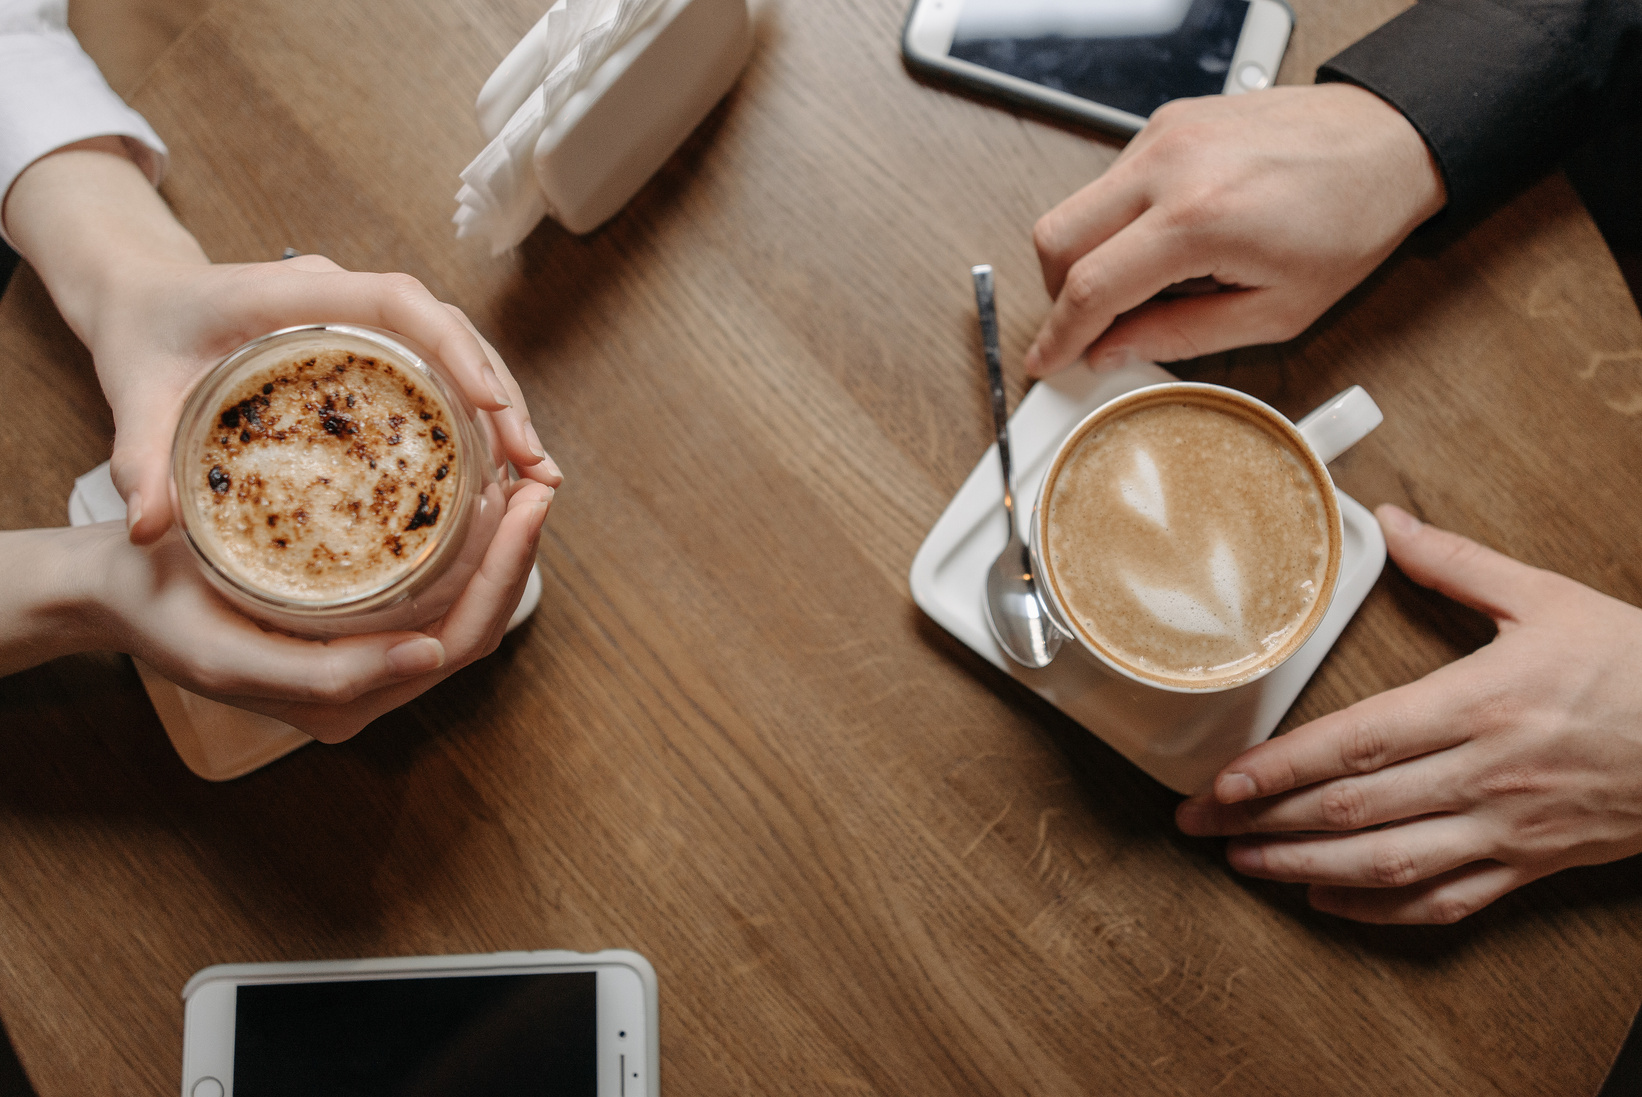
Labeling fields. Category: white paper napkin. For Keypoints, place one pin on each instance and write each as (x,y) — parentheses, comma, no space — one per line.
(500,199)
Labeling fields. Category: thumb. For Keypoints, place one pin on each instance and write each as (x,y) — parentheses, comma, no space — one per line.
(1168,330)
(1457,567)
(141,468)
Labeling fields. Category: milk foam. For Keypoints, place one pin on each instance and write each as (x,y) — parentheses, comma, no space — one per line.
(325,476)
(1178,610)
(1188,539)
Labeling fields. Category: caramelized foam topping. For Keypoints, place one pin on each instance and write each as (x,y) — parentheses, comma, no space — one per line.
(325,476)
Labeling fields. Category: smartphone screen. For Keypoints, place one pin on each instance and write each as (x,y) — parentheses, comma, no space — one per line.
(1134,55)
(442,1036)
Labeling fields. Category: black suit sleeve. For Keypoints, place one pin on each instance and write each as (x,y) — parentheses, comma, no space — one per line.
(1499,89)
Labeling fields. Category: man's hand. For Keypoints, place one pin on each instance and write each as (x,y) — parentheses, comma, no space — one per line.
(1428,802)
(1255,212)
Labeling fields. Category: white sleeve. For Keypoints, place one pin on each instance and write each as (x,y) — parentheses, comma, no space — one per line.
(51,94)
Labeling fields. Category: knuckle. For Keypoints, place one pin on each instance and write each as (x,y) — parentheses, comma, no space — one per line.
(1171,128)
(1344,807)
(1196,210)
(1085,288)
(215,673)
(212,678)
(333,685)
(1047,235)
(404,286)
(1496,704)
(1445,910)
(1180,142)
(1365,747)
(1515,779)
(1392,866)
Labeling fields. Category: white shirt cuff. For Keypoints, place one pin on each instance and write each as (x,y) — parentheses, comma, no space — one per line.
(51,95)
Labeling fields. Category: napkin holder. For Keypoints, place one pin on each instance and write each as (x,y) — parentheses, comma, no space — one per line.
(638,108)
(216,741)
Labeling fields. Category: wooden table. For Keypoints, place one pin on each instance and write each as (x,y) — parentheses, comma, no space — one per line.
(861,859)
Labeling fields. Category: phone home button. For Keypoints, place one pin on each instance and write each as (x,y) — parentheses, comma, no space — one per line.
(206,1087)
(1252,76)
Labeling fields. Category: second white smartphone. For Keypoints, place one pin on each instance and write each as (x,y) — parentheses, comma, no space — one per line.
(546,1024)
(1110,62)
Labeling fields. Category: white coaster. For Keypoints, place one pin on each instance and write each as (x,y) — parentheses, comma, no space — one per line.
(1180,739)
(217,741)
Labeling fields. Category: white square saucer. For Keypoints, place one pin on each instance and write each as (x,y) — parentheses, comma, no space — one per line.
(1182,740)
(217,741)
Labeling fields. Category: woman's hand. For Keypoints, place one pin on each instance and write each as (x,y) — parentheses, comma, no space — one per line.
(157,314)
(152,602)
(1428,802)
(1257,212)
(170,323)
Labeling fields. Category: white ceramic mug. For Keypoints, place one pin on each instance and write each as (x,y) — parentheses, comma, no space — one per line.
(1324,434)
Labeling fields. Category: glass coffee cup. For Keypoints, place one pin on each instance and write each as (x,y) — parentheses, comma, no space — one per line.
(1188,536)
(332,480)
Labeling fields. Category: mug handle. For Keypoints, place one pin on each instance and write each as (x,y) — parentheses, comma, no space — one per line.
(1341,423)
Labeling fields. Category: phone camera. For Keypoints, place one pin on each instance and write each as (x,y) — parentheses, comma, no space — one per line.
(622,1034)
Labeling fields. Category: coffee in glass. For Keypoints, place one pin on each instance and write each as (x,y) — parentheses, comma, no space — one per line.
(331,481)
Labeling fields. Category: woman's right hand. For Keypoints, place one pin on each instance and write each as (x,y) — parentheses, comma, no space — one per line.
(153,603)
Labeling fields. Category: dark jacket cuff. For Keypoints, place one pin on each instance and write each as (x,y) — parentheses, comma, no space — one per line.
(1494,93)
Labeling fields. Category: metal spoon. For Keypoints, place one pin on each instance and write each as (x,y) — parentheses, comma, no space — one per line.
(1013,611)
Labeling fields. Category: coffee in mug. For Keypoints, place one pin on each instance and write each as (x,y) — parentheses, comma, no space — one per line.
(331,481)
(1190,537)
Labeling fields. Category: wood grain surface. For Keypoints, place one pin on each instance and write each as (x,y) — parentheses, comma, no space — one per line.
(861,860)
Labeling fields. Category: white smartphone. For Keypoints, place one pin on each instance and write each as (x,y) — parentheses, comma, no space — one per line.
(1107,62)
(544,1024)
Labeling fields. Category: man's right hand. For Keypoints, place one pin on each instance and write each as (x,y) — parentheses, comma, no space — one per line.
(1259,211)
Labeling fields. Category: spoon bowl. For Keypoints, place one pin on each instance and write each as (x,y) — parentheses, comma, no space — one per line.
(1014,613)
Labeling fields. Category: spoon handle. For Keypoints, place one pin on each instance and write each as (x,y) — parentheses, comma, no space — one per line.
(986,305)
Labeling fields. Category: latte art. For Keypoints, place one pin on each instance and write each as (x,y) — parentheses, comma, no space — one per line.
(1188,540)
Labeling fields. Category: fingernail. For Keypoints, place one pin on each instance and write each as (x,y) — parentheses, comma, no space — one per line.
(416,656)
(133,511)
(534,440)
(497,392)
(1234,787)
(541,506)
(1398,520)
